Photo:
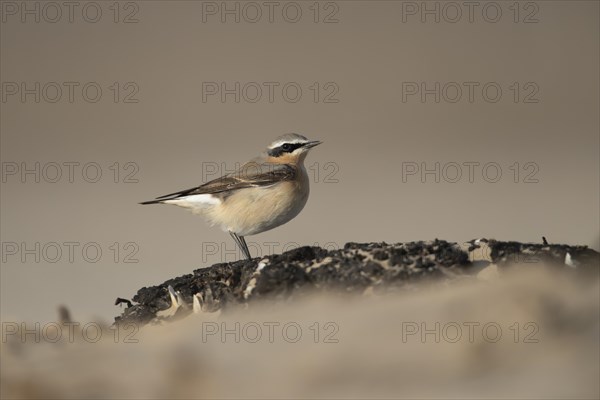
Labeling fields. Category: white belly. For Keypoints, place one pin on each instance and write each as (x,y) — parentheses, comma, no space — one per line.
(256,210)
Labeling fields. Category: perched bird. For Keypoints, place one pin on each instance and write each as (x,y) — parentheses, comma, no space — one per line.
(262,194)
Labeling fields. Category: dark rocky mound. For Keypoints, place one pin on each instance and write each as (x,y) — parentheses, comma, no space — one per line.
(355,268)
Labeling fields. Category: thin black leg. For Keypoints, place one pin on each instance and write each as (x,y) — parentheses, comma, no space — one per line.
(241,242)
(246,251)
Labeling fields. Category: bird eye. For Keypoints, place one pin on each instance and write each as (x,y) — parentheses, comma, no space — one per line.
(286,147)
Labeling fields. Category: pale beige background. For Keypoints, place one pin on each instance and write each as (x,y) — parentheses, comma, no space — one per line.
(368,135)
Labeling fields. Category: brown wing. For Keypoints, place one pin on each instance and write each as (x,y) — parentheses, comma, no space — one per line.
(251,174)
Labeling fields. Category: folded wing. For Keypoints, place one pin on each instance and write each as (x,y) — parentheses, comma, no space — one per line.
(249,175)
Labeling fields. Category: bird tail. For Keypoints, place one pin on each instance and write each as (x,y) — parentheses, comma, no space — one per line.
(151,202)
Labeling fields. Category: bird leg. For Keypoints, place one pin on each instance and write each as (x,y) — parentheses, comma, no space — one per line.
(241,242)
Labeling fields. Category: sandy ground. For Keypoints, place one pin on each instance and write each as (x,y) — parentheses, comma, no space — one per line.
(525,334)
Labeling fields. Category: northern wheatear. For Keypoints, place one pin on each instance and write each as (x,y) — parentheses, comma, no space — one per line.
(262,194)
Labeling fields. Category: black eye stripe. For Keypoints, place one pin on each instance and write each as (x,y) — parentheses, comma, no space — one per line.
(292,146)
(284,148)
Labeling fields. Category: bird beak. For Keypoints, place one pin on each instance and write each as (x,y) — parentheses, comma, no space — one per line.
(312,144)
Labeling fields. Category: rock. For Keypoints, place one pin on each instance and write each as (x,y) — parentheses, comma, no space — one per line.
(358,267)
(510,253)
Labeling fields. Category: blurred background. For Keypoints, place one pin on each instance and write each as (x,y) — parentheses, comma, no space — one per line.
(438,121)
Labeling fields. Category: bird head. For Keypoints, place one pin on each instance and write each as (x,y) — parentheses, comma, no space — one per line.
(290,148)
